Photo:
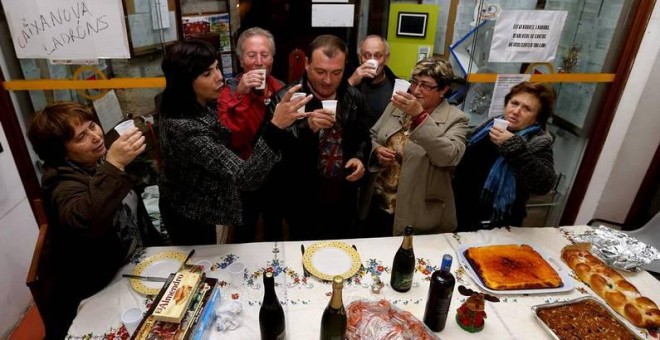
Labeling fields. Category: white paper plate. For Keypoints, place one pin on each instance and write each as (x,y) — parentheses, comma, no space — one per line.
(327,259)
(161,265)
(567,280)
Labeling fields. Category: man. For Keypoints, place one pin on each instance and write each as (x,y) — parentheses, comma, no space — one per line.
(375,84)
(325,153)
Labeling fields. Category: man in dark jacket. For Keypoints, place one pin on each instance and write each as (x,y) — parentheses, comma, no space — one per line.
(324,156)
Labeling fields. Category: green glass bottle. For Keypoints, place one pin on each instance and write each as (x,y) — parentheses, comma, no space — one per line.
(333,321)
(271,314)
(403,267)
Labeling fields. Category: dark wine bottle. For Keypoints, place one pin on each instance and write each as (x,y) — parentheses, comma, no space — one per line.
(333,321)
(271,314)
(404,264)
(441,289)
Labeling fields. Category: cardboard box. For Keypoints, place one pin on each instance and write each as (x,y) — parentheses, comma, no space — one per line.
(174,302)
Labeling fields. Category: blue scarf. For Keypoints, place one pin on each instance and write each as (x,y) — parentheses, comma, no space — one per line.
(500,186)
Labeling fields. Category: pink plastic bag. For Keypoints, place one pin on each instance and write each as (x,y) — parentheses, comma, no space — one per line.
(381,320)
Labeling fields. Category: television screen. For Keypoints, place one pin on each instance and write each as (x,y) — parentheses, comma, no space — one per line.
(412,24)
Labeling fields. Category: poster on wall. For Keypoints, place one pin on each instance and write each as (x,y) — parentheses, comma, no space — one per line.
(527,36)
(202,25)
(66,29)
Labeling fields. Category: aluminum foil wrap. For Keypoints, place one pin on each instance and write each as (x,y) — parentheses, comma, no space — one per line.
(618,249)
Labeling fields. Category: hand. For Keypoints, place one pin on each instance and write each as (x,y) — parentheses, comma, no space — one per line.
(499,136)
(124,150)
(385,156)
(286,111)
(249,80)
(358,172)
(364,70)
(321,119)
(407,103)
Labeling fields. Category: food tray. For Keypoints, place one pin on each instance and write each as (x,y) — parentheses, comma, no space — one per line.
(567,280)
(616,316)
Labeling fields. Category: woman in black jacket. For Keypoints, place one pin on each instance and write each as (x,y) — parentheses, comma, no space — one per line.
(503,166)
(201,179)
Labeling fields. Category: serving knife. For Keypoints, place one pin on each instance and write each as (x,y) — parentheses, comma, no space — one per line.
(302,250)
(145,278)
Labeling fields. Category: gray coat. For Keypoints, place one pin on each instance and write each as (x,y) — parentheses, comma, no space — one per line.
(425,199)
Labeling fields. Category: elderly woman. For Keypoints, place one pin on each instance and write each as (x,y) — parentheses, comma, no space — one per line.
(416,144)
(96,220)
(241,108)
(202,178)
(503,166)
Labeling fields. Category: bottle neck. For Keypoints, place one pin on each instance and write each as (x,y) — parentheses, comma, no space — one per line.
(336,299)
(269,290)
(407,243)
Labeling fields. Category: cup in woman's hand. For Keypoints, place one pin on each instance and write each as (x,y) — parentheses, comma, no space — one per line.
(500,123)
(401,85)
(124,127)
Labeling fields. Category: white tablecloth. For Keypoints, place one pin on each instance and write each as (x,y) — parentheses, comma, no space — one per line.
(304,300)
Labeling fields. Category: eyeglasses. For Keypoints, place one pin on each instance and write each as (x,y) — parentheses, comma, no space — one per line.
(422,85)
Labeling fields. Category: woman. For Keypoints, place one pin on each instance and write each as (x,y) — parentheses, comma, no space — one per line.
(96,220)
(502,167)
(202,178)
(417,142)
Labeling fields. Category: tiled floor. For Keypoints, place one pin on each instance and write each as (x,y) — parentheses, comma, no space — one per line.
(30,327)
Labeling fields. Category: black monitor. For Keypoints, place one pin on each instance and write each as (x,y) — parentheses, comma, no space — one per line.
(412,24)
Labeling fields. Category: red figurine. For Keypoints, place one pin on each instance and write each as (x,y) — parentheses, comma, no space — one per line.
(470,315)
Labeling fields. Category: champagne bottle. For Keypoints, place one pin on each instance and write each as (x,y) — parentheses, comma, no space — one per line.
(404,264)
(333,322)
(271,314)
(441,289)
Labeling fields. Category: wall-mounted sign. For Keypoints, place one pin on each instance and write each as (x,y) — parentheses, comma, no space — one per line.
(527,36)
(411,24)
(67,29)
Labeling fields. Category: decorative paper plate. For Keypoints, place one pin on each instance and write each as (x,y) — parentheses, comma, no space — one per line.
(326,259)
(162,265)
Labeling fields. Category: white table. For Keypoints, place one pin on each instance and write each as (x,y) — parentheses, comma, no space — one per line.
(304,300)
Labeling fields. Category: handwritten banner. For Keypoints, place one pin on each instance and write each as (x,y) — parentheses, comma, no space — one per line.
(527,36)
(67,29)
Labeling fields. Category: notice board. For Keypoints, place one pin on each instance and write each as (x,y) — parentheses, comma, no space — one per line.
(67,29)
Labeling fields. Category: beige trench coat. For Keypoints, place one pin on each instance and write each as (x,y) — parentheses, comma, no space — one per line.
(425,199)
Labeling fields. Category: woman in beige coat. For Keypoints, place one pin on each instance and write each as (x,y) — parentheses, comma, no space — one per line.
(416,144)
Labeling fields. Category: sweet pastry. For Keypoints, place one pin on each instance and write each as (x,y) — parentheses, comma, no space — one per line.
(585,319)
(512,266)
(620,294)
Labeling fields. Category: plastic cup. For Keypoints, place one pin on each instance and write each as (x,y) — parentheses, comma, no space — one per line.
(123,127)
(330,105)
(237,273)
(297,95)
(400,85)
(500,123)
(263,82)
(131,319)
(373,62)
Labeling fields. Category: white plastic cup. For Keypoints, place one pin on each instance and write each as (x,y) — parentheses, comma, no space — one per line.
(330,105)
(237,273)
(500,123)
(123,127)
(373,63)
(297,95)
(131,319)
(400,85)
(262,86)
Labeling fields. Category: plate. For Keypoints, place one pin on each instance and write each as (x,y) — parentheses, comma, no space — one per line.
(162,265)
(327,259)
(568,283)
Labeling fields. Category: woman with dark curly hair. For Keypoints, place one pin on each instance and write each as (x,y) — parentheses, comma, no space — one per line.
(503,166)
(202,178)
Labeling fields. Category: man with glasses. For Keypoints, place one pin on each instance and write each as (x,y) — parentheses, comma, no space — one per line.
(375,83)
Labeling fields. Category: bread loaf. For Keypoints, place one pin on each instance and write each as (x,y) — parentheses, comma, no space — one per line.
(620,294)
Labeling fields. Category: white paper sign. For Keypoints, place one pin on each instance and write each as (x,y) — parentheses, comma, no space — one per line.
(527,36)
(67,29)
(160,17)
(108,110)
(503,85)
(332,15)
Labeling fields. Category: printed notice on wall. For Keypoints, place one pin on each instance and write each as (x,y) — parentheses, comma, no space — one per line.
(67,29)
(527,36)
